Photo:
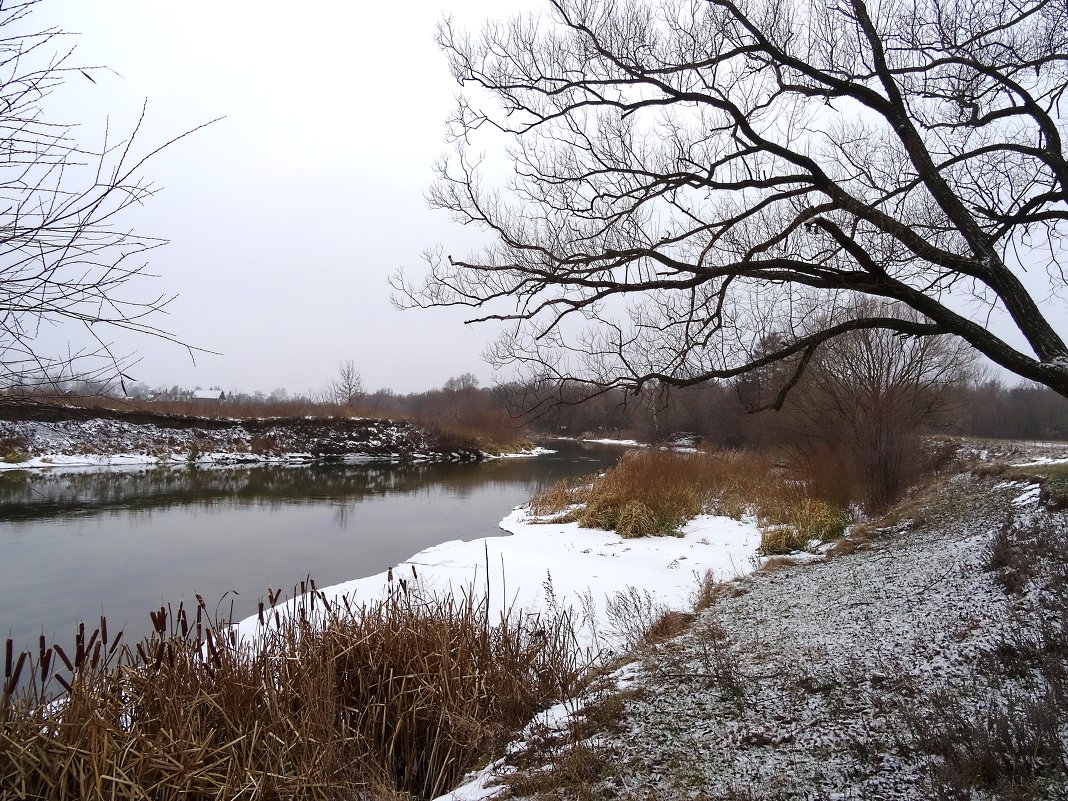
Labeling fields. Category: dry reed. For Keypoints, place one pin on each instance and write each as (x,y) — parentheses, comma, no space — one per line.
(653,492)
(397,698)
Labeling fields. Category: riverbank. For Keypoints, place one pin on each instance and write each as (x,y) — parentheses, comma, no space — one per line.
(924,656)
(43,436)
(916,652)
(611,584)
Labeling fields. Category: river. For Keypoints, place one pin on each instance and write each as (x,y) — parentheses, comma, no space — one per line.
(76,544)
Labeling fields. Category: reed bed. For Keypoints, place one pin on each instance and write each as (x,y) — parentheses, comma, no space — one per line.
(393,699)
(653,492)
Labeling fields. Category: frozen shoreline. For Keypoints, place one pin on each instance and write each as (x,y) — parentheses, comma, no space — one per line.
(536,565)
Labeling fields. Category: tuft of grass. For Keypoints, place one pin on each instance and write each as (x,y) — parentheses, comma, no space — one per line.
(561,497)
(668,625)
(790,523)
(394,699)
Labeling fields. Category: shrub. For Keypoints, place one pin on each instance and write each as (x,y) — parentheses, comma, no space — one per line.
(14,449)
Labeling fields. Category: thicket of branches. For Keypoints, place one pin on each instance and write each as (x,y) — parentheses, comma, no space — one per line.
(704,188)
(69,269)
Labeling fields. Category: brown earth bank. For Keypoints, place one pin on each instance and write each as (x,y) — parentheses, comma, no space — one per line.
(45,430)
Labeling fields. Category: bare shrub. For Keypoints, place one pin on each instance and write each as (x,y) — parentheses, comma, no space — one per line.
(721,664)
(1011,749)
(1002,736)
(631,614)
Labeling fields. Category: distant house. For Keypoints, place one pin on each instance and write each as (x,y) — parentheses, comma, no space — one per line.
(209,394)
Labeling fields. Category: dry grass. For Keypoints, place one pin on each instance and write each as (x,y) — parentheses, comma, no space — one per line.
(395,699)
(789,521)
(709,590)
(654,492)
(568,761)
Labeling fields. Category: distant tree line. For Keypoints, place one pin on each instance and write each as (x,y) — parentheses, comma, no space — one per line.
(717,412)
(720,413)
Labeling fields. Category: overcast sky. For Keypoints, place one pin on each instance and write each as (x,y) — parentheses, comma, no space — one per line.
(286,218)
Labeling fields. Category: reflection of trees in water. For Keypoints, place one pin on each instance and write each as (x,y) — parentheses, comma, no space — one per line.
(26,495)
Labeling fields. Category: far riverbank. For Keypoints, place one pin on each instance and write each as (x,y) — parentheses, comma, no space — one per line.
(41,436)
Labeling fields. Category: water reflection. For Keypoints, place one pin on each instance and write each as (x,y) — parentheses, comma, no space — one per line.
(75,543)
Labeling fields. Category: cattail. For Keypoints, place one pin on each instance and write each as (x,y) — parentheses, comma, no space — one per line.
(13,680)
(46,661)
(63,656)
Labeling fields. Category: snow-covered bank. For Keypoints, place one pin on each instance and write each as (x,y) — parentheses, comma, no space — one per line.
(876,674)
(542,564)
(537,450)
(143,440)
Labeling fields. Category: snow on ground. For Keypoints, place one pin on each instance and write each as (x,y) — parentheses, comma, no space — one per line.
(814,681)
(541,564)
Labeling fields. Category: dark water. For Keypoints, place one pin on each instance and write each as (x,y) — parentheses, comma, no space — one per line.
(75,544)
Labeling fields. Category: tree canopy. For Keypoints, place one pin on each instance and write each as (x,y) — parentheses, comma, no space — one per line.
(707,187)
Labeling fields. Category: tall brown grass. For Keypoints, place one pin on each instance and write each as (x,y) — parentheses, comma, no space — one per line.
(653,492)
(395,699)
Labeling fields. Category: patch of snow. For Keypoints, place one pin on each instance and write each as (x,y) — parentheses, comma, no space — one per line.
(535,451)
(1042,460)
(542,565)
(1029,497)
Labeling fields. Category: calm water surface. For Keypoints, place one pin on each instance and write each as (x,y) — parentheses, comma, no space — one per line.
(75,544)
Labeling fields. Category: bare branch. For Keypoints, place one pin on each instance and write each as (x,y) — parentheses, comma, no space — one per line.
(697,179)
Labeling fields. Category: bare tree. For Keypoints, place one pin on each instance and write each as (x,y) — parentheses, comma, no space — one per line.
(695,179)
(867,398)
(65,258)
(348,388)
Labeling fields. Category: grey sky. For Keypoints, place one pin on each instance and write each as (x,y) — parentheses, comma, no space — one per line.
(286,218)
